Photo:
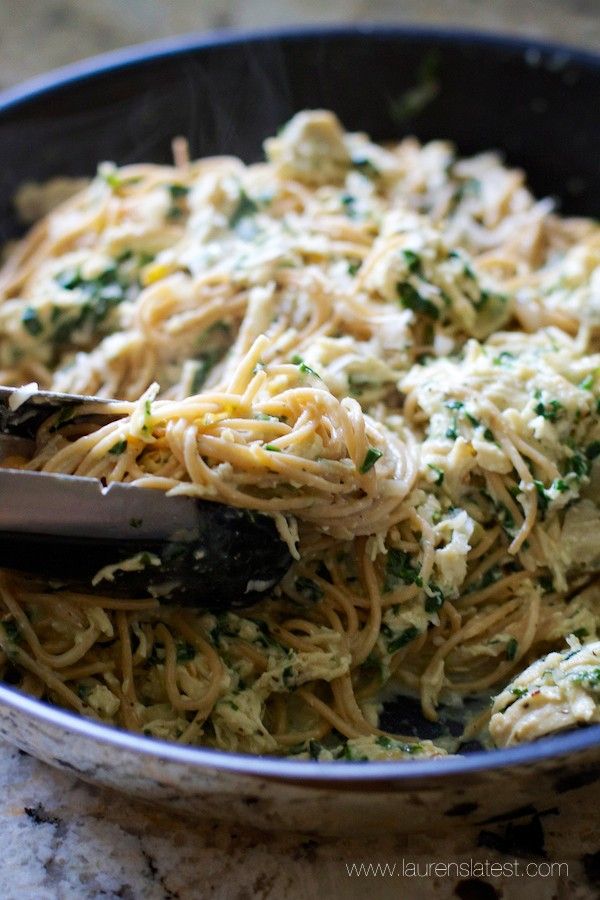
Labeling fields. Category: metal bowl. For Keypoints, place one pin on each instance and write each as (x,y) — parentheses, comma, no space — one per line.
(534,101)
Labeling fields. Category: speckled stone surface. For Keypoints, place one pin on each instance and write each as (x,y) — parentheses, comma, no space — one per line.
(63,839)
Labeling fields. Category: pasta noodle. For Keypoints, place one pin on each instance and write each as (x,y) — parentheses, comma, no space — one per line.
(392,351)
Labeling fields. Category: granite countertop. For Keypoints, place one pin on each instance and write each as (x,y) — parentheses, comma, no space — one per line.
(63,839)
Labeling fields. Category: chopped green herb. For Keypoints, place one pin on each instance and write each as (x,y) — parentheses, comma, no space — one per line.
(118,448)
(177,191)
(304,367)
(454,404)
(587,383)
(272,448)
(503,358)
(412,260)
(358,384)
(488,434)
(354,266)
(175,212)
(66,414)
(434,601)
(512,646)
(542,496)
(31,321)
(411,299)
(112,178)
(84,690)
(438,471)
(404,638)
(371,457)
(549,411)
(593,450)
(581,633)
(246,207)
(590,677)
(398,569)
(366,167)
(288,675)
(579,464)
(518,692)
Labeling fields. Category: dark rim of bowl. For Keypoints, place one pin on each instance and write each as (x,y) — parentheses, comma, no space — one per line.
(139,54)
(263,766)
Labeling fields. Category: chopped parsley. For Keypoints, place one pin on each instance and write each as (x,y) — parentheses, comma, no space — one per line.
(413,261)
(304,367)
(504,358)
(550,410)
(371,457)
(581,633)
(398,570)
(287,675)
(593,450)
(390,744)
(579,464)
(434,600)
(518,692)
(178,191)
(246,207)
(512,646)
(366,167)
(590,677)
(118,448)
(439,473)
(31,321)
(543,498)
(411,299)
(401,640)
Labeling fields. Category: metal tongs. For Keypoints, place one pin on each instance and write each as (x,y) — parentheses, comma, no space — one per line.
(76,531)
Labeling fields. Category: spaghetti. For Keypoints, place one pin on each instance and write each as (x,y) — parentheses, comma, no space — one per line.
(391,350)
